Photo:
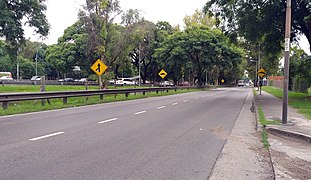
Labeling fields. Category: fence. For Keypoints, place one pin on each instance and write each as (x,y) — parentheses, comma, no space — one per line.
(5,98)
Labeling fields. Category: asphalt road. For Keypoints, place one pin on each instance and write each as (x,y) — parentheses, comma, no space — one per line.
(169,137)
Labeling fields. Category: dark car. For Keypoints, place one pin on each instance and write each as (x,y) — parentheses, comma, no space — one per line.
(68,80)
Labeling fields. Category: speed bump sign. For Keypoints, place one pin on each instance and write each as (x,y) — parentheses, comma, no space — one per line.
(162,74)
(261,72)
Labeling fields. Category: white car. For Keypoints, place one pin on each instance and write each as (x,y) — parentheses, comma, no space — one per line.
(125,81)
(5,78)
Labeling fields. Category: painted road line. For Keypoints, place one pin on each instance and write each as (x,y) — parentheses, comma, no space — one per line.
(196,98)
(174,104)
(141,112)
(161,107)
(186,100)
(45,136)
(109,120)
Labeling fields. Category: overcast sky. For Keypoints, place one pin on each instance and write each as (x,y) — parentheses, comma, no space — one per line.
(63,13)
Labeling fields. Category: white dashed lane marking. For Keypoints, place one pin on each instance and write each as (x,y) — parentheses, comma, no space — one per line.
(186,100)
(161,107)
(45,136)
(174,104)
(109,120)
(141,112)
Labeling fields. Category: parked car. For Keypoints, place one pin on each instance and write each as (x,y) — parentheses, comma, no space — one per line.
(166,83)
(82,80)
(241,83)
(185,83)
(68,80)
(125,81)
(35,78)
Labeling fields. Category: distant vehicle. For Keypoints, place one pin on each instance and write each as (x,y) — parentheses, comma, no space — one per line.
(68,80)
(35,78)
(166,83)
(241,83)
(82,80)
(185,83)
(5,76)
(125,81)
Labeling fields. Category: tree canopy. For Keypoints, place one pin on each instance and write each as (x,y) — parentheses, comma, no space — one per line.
(15,14)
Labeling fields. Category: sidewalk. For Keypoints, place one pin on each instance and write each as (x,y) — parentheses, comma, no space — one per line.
(290,144)
(243,155)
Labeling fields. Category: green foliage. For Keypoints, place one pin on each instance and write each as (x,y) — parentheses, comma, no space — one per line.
(262,22)
(200,49)
(13,14)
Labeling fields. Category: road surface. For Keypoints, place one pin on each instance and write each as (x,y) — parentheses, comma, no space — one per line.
(170,137)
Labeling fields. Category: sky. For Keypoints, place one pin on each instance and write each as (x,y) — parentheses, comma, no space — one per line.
(63,13)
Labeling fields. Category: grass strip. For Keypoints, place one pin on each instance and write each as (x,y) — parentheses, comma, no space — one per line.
(35,105)
(300,101)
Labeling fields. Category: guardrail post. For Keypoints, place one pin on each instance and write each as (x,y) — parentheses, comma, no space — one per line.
(157,91)
(167,90)
(5,105)
(144,93)
(126,94)
(101,97)
(65,100)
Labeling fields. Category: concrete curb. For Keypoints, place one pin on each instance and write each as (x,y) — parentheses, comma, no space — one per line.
(289,134)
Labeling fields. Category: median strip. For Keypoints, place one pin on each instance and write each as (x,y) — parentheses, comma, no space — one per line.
(45,136)
(141,112)
(109,120)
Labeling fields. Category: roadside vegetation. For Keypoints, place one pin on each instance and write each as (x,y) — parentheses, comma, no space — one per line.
(36,105)
(300,101)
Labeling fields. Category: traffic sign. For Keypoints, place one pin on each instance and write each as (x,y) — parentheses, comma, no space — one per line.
(222,81)
(162,74)
(261,72)
(99,67)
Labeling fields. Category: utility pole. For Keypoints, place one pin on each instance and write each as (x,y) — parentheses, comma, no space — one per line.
(286,62)
(139,65)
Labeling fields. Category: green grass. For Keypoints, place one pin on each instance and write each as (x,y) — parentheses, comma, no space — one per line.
(264,137)
(300,101)
(35,105)
(262,119)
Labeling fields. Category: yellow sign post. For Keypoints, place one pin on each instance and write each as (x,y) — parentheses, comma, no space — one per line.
(162,74)
(99,67)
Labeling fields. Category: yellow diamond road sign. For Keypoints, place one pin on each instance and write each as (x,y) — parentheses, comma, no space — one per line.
(222,81)
(99,67)
(162,74)
(261,72)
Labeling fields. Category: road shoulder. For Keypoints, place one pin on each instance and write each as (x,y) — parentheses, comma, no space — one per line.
(243,155)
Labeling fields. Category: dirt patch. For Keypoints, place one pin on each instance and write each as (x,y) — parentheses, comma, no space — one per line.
(289,167)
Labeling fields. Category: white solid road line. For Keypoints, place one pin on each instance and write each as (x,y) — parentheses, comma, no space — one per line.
(174,104)
(161,107)
(141,112)
(186,100)
(46,136)
(109,120)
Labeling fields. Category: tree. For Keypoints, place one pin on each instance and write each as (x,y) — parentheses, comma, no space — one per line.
(14,13)
(261,21)
(201,49)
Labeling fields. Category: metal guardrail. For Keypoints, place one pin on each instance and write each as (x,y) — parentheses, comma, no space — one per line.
(5,98)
